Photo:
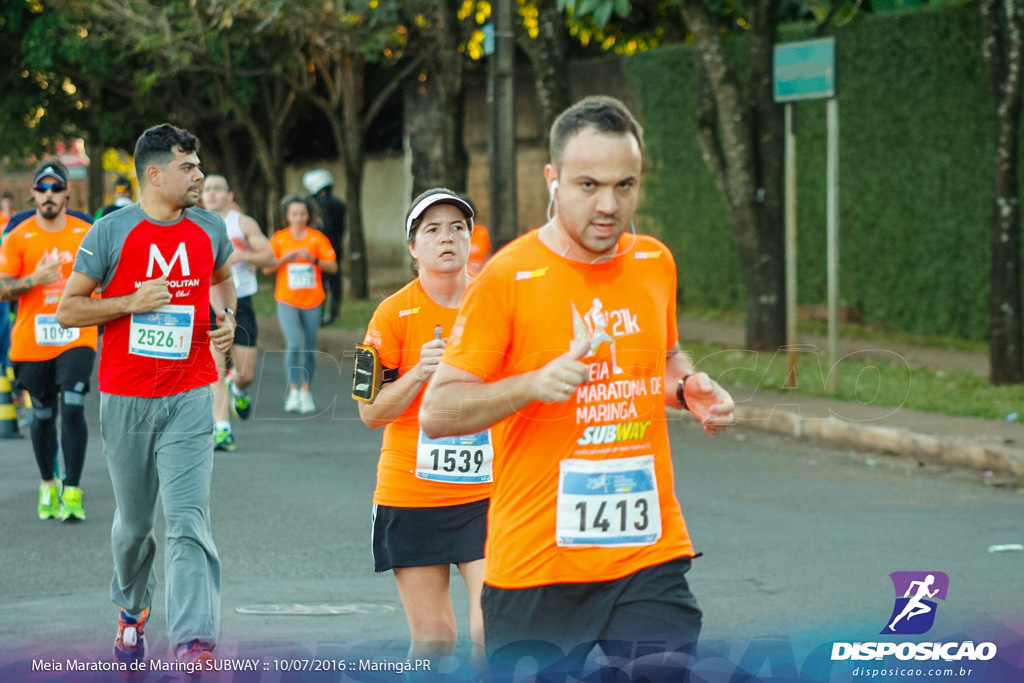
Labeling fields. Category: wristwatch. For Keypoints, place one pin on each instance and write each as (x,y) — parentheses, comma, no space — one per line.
(230,311)
(680,395)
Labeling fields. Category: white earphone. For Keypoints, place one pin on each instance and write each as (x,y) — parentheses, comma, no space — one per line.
(552,188)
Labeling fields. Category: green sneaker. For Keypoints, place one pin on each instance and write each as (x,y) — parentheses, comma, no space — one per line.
(223,440)
(241,405)
(71,504)
(49,501)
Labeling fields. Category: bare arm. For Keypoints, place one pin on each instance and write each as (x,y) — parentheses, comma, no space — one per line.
(677,365)
(395,397)
(77,308)
(222,295)
(330,267)
(286,257)
(46,271)
(459,402)
(12,289)
(259,254)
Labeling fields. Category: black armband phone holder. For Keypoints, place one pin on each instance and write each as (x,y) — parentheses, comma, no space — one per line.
(369,375)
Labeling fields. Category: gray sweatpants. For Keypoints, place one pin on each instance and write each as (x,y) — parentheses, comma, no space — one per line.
(164,445)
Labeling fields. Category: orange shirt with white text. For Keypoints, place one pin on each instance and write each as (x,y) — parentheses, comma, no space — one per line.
(36,335)
(583,490)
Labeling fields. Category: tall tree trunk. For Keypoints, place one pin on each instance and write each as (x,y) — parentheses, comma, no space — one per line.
(352,68)
(434,134)
(1002,40)
(766,316)
(741,140)
(96,177)
(549,58)
(433,105)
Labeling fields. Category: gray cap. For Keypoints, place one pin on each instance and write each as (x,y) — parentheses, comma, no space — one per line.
(51,168)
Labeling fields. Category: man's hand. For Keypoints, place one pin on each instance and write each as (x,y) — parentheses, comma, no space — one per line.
(47,271)
(709,403)
(223,338)
(151,295)
(557,381)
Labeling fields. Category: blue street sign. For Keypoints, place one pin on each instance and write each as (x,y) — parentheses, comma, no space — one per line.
(488,43)
(805,70)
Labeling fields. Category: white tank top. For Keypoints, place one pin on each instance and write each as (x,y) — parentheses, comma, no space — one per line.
(243,273)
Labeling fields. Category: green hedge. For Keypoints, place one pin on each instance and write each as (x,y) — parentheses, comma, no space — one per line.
(915,174)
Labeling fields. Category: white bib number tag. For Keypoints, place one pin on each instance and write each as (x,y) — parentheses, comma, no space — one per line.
(455,459)
(301,276)
(165,332)
(50,333)
(608,503)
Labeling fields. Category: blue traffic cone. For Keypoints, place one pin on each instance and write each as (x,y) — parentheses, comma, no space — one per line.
(8,413)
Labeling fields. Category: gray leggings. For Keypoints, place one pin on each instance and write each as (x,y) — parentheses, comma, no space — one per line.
(300,327)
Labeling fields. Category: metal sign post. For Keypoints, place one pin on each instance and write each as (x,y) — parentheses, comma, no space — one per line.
(806,70)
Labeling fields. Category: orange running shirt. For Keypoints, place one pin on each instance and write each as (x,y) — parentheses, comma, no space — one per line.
(583,490)
(299,282)
(479,249)
(37,335)
(400,326)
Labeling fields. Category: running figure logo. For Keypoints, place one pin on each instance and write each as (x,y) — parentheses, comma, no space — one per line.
(914,612)
(593,325)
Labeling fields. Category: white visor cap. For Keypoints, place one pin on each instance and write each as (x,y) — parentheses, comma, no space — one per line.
(438,198)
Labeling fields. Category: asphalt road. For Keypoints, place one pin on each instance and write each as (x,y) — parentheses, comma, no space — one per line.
(798,545)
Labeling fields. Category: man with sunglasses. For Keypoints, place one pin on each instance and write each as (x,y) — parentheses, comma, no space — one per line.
(51,363)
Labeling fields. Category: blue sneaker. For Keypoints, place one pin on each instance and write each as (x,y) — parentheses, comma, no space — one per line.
(241,405)
(130,645)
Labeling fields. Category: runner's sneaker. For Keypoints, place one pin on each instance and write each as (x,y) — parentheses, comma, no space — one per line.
(240,403)
(130,645)
(49,501)
(197,654)
(291,402)
(223,440)
(71,504)
(306,405)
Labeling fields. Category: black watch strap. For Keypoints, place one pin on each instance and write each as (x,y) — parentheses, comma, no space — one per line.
(680,394)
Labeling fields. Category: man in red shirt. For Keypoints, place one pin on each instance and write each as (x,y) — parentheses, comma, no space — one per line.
(163,266)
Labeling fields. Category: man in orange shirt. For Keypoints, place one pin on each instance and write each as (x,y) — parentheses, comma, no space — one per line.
(52,363)
(569,338)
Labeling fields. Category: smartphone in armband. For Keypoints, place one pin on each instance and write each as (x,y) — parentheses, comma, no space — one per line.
(369,375)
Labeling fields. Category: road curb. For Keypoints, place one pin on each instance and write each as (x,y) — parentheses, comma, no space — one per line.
(989,456)
(957,451)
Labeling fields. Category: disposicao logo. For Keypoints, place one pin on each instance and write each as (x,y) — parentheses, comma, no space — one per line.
(913,614)
(916,593)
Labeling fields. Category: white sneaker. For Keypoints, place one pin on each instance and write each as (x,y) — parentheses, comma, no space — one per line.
(293,401)
(306,402)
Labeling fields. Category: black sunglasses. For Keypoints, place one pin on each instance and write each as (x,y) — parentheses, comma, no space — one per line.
(56,187)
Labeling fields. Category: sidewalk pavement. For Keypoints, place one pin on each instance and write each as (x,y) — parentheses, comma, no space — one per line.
(995,446)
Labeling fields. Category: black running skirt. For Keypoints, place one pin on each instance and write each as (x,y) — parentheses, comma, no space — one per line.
(421,537)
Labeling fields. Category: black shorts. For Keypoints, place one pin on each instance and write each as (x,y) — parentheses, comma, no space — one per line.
(422,537)
(246,331)
(44,379)
(245,323)
(559,624)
